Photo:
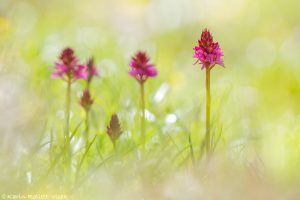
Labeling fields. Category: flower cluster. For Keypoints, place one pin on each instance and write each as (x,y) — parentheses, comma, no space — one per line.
(68,66)
(208,52)
(141,69)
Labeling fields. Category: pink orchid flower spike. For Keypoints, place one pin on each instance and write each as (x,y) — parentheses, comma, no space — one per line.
(208,53)
(141,68)
(68,66)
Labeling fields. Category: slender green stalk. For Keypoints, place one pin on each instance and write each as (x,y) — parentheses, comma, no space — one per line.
(115,147)
(143,137)
(192,151)
(87,129)
(67,128)
(84,156)
(51,147)
(87,126)
(208,102)
(60,155)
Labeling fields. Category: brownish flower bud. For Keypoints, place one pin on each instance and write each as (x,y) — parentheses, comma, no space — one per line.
(114,130)
(86,101)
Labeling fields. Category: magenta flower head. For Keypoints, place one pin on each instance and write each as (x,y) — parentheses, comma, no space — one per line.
(208,52)
(68,66)
(141,69)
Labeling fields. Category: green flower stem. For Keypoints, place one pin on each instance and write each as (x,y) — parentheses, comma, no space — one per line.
(192,150)
(87,129)
(67,128)
(114,145)
(143,137)
(87,126)
(208,103)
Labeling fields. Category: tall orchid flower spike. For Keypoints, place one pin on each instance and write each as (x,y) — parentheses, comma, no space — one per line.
(208,54)
(141,70)
(68,69)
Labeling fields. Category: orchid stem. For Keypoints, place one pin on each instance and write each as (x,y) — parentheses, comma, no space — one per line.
(87,129)
(143,138)
(67,128)
(87,126)
(115,148)
(208,102)
(192,151)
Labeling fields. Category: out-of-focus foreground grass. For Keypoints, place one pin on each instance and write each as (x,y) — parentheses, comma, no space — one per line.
(255,98)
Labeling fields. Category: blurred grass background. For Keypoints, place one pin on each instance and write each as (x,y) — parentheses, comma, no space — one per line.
(255,98)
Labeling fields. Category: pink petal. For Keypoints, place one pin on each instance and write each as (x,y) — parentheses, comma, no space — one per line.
(151,71)
(57,75)
(81,72)
(133,72)
(94,71)
(61,67)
